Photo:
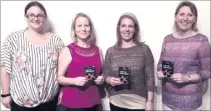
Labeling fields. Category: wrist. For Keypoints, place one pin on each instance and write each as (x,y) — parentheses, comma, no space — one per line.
(5,95)
(189,78)
(108,80)
(72,81)
(150,101)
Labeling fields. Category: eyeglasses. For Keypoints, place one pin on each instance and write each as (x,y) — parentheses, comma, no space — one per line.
(32,16)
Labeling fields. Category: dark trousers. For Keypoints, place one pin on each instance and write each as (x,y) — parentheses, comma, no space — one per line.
(49,106)
(63,108)
(116,108)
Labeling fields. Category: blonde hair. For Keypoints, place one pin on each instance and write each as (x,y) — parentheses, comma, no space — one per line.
(92,37)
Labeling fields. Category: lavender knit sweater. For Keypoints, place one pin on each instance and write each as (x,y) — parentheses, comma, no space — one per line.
(189,55)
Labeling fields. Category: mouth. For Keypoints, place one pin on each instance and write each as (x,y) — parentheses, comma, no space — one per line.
(36,23)
(83,33)
(126,34)
(184,23)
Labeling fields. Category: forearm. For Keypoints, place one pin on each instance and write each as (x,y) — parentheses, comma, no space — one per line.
(193,78)
(150,96)
(65,81)
(5,81)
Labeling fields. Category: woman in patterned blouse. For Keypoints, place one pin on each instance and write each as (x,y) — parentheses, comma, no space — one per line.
(29,64)
(189,52)
(134,59)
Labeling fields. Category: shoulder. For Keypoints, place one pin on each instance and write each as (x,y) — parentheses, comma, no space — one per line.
(65,52)
(15,35)
(110,50)
(167,37)
(202,38)
(144,47)
(55,36)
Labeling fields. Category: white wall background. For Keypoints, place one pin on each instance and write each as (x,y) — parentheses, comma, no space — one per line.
(156,20)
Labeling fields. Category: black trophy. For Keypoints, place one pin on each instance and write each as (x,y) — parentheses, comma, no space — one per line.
(90,73)
(124,75)
(167,69)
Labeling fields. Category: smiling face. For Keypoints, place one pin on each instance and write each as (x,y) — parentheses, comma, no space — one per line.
(185,19)
(127,29)
(82,28)
(35,17)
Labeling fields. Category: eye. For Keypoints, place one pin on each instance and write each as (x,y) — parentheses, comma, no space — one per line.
(123,25)
(131,26)
(87,25)
(31,15)
(190,15)
(41,15)
(181,14)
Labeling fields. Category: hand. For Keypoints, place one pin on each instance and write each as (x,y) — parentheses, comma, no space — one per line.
(179,78)
(149,105)
(6,101)
(59,98)
(80,81)
(160,75)
(99,80)
(114,81)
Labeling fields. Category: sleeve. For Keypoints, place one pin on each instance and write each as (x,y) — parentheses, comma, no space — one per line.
(6,55)
(149,69)
(159,66)
(107,64)
(204,58)
(60,44)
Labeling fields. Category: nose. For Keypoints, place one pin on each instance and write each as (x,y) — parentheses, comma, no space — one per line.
(36,18)
(185,17)
(127,28)
(83,28)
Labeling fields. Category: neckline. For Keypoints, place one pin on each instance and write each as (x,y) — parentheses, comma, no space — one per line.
(36,45)
(81,47)
(127,48)
(185,37)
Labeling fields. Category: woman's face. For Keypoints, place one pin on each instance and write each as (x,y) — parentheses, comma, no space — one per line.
(185,18)
(127,29)
(82,28)
(35,17)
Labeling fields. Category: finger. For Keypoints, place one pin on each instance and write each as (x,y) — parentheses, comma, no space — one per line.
(176,74)
(96,81)
(115,83)
(118,82)
(160,75)
(8,106)
(115,79)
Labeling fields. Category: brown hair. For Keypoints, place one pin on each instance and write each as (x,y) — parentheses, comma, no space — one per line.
(136,36)
(35,3)
(193,10)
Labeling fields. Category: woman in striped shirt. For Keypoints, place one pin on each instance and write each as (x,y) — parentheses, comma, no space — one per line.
(29,64)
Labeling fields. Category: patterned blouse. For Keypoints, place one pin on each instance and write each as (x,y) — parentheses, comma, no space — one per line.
(32,68)
(190,56)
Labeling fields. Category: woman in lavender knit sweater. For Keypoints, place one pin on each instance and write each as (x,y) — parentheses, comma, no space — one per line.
(189,51)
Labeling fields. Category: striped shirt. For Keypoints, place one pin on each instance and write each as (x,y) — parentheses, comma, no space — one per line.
(32,68)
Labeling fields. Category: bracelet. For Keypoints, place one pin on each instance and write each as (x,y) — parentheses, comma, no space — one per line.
(5,95)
